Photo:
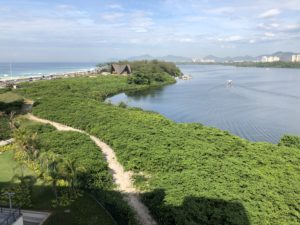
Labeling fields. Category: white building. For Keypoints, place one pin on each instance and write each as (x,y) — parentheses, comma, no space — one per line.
(270,59)
(296,58)
(207,60)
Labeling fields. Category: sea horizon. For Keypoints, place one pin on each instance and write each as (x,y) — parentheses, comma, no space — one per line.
(38,69)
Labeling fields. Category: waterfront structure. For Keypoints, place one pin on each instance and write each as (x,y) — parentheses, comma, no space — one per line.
(295,58)
(120,69)
(270,59)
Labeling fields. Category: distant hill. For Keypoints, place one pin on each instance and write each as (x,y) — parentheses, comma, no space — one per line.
(169,58)
(284,56)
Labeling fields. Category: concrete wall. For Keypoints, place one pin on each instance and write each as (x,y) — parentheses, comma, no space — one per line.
(34,216)
(19,221)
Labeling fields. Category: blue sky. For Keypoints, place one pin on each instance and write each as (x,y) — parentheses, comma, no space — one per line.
(97,30)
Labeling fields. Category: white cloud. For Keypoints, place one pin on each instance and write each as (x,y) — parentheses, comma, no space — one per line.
(185,40)
(140,21)
(194,18)
(292,27)
(233,38)
(269,13)
(269,34)
(111,16)
(115,6)
(221,10)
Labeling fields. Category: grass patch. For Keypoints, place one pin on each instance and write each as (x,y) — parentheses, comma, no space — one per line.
(84,210)
(8,167)
(10,97)
(10,101)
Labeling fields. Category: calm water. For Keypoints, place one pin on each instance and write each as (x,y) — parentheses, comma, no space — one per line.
(14,70)
(262,105)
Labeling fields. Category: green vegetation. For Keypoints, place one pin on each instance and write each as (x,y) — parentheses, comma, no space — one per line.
(84,210)
(149,72)
(68,163)
(154,67)
(65,146)
(191,174)
(5,131)
(8,166)
(290,141)
(10,101)
(279,64)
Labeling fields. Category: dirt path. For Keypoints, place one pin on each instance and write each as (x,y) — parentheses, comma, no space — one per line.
(121,177)
(6,142)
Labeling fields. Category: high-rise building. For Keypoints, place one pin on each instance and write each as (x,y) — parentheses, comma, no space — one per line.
(296,58)
(270,59)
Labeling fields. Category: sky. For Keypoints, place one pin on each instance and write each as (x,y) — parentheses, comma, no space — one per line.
(99,30)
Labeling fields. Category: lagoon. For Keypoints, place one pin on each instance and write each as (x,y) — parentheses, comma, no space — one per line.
(263,104)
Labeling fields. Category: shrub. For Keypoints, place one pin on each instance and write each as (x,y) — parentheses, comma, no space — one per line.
(290,141)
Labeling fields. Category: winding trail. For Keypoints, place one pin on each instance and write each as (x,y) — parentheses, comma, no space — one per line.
(122,178)
(6,142)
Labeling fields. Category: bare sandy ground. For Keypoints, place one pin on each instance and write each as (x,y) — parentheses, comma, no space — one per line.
(6,142)
(122,178)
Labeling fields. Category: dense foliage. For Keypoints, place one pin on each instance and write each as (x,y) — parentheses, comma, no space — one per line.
(290,141)
(73,162)
(279,64)
(148,72)
(191,174)
(71,145)
(154,67)
(5,131)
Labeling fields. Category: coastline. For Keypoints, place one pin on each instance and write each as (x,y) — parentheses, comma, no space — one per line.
(19,79)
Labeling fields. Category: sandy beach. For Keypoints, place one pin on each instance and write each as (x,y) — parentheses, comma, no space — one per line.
(4,81)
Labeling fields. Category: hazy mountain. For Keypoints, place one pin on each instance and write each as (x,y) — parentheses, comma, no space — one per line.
(173,58)
(170,58)
(284,56)
(141,57)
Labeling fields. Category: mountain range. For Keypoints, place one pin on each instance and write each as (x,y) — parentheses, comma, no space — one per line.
(284,56)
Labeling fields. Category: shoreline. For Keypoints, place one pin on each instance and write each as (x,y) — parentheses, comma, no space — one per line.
(19,79)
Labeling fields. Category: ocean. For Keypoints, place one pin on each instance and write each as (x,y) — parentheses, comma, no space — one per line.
(20,70)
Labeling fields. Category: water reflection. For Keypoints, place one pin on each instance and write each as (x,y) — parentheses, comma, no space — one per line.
(146,93)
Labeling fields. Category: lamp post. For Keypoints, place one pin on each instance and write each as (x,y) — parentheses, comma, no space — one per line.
(10,195)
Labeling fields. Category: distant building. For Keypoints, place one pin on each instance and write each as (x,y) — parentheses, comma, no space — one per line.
(207,60)
(270,59)
(120,69)
(296,58)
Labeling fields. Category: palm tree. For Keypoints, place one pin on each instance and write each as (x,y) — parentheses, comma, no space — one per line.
(27,142)
(53,170)
(11,120)
(71,171)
